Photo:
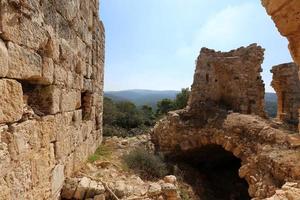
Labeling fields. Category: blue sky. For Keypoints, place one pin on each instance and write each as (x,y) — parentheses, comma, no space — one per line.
(153,44)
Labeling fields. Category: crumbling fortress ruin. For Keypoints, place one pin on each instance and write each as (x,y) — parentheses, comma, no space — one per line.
(268,155)
(51,84)
(231,79)
(286,14)
(287,86)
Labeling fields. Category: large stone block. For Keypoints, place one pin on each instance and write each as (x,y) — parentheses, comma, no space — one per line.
(21,30)
(5,159)
(24,63)
(41,170)
(20,180)
(273,5)
(63,147)
(25,138)
(70,100)
(48,71)
(5,190)
(11,101)
(286,16)
(68,8)
(60,75)
(58,179)
(3,59)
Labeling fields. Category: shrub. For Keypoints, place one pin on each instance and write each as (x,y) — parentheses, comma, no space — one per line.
(101,152)
(146,164)
(184,194)
(119,118)
(110,131)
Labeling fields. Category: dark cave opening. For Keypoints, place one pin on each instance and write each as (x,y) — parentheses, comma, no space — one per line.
(212,172)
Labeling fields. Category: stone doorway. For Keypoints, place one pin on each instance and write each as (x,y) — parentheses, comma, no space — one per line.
(212,172)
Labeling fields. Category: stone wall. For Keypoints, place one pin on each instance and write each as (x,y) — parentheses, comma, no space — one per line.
(270,156)
(226,82)
(287,86)
(51,85)
(286,14)
(231,79)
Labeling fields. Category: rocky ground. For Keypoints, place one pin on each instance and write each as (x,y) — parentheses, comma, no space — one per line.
(108,177)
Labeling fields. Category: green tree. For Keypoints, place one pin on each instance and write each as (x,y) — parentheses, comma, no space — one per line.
(182,98)
(110,111)
(128,115)
(164,106)
(148,115)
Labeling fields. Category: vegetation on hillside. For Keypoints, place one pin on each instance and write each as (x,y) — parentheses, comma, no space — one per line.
(180,102)
(142,97)
(271,108)
(124,118)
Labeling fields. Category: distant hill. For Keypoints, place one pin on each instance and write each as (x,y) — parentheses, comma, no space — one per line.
(271,104)
(271,97)
(151,97)
(141,97)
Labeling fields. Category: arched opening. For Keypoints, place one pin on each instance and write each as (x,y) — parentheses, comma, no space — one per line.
(212,172)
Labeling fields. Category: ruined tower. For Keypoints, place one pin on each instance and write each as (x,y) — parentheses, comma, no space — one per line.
(231,79)
(287,86)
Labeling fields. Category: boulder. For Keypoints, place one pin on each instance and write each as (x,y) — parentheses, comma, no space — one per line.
(82,188)
(170,179)
(154,189)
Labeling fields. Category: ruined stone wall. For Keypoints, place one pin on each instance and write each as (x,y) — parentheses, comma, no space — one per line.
(287,86)
(230,78)
(286,15)
(51,85)
(270,156)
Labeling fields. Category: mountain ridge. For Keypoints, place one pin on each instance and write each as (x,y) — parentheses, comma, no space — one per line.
(151,97)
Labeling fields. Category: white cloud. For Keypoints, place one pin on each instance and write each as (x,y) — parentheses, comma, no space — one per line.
(228,25)
(225,30)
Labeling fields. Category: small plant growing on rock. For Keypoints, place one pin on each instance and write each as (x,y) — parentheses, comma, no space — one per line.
(147,165)
(102,152)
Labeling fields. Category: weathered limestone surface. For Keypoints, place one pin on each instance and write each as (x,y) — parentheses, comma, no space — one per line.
(286,14)
(287,86)
(11,101)
(51,85)
(288,191)
(270,157)
(231,79)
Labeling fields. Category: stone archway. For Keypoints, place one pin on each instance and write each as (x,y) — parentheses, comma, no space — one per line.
(212,171)
(267,154)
